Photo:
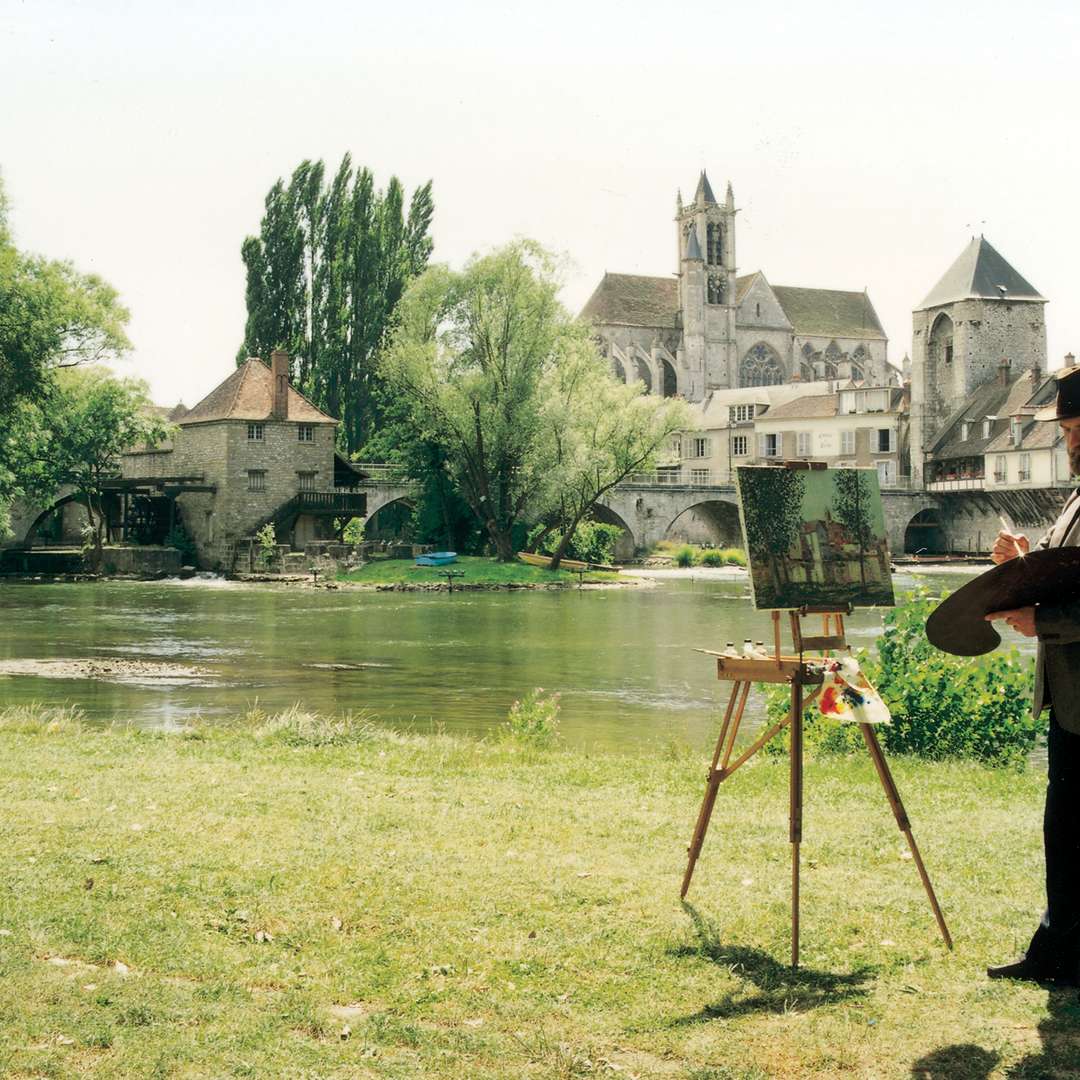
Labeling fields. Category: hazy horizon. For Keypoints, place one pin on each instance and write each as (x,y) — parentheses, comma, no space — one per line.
(864,149)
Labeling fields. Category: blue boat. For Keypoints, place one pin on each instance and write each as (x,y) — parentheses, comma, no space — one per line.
(436,558)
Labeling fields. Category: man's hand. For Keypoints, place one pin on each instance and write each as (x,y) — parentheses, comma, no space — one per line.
(1022,620)
(1007,547)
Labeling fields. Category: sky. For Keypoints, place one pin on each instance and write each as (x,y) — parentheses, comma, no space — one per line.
(865,145)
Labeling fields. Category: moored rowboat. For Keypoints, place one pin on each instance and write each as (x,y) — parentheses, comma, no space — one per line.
(544,561)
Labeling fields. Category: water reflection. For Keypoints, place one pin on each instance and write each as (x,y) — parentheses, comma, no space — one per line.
(623,660)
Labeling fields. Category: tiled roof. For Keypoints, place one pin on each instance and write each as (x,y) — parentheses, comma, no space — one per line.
(979,273)
(634,300)
(829,312)
(742,285)
(248,394)
(806,408)
(1036,436)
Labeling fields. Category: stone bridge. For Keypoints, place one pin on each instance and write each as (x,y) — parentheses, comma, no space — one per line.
(649,510)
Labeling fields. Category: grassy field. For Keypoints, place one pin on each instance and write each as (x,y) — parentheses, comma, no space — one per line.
(477,571)
(294,897)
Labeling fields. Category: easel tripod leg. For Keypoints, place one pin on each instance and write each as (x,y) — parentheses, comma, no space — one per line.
(893,795)
(732,716)
(795,813)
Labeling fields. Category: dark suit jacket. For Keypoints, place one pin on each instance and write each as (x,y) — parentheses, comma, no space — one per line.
(1057,664)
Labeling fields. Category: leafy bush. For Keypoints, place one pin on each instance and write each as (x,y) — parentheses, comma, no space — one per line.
(353,533)
(534,719)
(734,556)
(712,557)
(593,541)
(266,538)
(942,706)
(686,555)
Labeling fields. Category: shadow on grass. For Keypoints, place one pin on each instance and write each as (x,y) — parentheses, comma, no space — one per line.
(780,987)
(1059,1032)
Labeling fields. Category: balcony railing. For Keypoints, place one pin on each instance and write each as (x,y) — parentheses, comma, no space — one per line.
(381,473)
(963,483)
(330,502)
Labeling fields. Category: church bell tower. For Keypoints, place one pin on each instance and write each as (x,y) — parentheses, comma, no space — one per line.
(706,238)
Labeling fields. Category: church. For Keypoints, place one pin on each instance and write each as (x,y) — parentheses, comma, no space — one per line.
(707,328)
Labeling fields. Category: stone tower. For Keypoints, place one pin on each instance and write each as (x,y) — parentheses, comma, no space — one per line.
(706,246)
(980,317)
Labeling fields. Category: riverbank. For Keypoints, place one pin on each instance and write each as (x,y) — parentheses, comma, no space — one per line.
(292,896)
(471,572)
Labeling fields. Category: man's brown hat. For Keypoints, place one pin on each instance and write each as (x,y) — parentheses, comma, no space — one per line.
(1067,404)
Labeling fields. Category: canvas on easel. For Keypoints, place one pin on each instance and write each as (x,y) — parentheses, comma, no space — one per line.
(815,537)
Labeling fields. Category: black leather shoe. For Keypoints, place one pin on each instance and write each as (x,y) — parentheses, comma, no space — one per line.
(1028,970)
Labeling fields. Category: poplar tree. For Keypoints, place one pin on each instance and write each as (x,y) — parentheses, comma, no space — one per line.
(324,277)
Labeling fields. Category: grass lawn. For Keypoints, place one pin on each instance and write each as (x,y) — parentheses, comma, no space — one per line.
(477,571)
(251,903)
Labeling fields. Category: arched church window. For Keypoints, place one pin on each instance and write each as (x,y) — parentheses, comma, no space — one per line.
(806,365)
(860,362)
(761,367)
(833,356)
(671,383)
(714,248)
(715,289)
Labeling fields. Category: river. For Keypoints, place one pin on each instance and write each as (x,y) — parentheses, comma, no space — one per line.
(622,659)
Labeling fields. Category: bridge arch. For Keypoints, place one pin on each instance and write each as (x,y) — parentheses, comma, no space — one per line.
(713,522)
(390,519)
(66,527)
(625,545)
(925,533)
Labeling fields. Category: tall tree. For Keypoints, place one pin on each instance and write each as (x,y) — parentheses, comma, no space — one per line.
(770,500)
(94,416)
(604,431)
(853,507)
(473,353)
(51,316)
(324,277)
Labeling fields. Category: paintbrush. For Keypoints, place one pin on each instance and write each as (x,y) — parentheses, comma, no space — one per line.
(1008,532)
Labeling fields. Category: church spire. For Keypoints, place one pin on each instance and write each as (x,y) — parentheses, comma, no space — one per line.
(704,193)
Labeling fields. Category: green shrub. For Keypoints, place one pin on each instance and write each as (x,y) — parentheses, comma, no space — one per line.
(593,541)
(534,719)
(266,539)
(353,533)
(942,706)
(734,556)
(712,557)
(685,555)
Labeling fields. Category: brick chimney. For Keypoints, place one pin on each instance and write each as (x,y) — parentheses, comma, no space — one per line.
(1070,360)
(279,369)
(1004,369)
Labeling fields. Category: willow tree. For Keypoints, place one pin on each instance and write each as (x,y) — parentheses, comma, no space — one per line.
(324,277)
(474,354)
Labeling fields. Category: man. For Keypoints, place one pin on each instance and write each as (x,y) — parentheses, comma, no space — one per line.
(1054,953)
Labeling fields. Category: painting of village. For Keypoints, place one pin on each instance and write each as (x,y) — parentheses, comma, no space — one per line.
(814,537)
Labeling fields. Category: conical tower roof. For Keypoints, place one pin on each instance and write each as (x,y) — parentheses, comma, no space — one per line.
(980,273)
(704,188)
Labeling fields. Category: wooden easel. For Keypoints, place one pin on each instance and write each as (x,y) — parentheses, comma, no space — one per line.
(796,671)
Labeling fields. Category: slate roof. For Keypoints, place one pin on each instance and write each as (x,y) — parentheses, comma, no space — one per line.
(989,400)
(976,274)
(705,188)
(693,248)
(829,312)
(634,300)
(248,394)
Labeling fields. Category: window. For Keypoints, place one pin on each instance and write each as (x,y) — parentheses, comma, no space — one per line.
(1025,468)
(1016,432)
(739,446)
(256,479)
(948,353)
(699,476)
(741,414)
(860,360)
(761,367)
(770,445)
(802,443)
(699,447)
(965,430)
(757,310)
(676,447)
(988,426)
(1001,468)
(886,471)
(714,246)
(255,432)
(847,442)
(305,432)
(307,481)
(884,443)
